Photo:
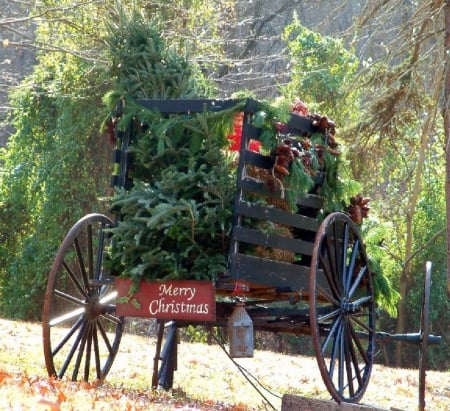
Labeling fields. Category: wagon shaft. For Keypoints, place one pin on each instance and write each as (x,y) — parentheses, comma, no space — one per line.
(411,338)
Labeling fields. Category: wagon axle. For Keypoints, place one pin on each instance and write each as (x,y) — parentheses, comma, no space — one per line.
(410,338)
(348,307)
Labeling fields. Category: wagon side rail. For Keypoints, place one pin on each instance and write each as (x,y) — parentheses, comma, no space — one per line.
(272,239)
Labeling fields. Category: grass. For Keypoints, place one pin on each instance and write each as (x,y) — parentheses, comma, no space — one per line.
(206,379)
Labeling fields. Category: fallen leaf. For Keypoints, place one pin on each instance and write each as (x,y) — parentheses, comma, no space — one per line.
(4,375)
(61,396)
(54,406)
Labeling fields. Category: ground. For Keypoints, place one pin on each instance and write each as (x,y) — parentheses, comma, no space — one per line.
(206,379)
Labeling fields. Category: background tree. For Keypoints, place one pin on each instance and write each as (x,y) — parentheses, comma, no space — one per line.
(321,68)
(400,131)
(446,116)
(53,163)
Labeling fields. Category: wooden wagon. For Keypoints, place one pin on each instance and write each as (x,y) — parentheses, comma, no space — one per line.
(326,291)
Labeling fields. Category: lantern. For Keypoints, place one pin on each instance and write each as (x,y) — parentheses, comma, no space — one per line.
(240,333)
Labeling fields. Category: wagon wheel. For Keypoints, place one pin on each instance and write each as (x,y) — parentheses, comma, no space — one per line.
(342,308)
(81,334)
(424,333)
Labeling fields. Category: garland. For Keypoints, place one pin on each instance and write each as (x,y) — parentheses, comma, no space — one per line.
(176,219)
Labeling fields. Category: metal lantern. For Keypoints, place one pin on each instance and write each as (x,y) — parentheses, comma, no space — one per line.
(240,333)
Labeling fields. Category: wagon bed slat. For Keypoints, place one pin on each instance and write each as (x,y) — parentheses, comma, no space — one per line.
(274,273)
(257,159)
(311,201)
(276,215)
(300,123)
(252,236)
(252,132)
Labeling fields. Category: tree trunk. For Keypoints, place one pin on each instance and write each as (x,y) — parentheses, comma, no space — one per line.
(406,274)
(446,115)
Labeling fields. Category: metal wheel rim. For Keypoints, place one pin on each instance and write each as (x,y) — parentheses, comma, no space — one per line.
(348,337)
(90,343)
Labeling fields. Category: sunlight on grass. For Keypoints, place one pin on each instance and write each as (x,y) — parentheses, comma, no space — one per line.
(206,379)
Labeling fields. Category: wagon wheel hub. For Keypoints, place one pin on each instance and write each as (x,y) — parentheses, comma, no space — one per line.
(94,308)
(353,307)
(348,307)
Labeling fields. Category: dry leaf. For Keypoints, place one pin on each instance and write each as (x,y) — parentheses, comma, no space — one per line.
(54,406)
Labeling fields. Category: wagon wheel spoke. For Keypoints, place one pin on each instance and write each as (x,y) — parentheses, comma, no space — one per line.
(105,338)
(113,319)
(328,296)
(72,351)
(358,343)
(328,265)
(363,326)
(342,308)
(332,336)
(90,252)
(357,281)
(346,351)
(98,366)
(81,333)
(349,289)
(72,276)
(80,353)
(67,336)
(67,297)
(81,265)
(327,316)
(351,363)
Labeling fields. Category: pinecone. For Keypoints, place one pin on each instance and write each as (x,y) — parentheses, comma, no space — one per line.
(358,208)
(283,156)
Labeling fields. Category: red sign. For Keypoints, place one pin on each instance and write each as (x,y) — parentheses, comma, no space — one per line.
(173,300)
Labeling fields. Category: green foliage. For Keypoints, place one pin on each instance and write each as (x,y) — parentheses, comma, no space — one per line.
(321,72)
(142,64)
(177,216)
(375,234)
(51,173)
(299,182)
(53,163)
(197,334)
(160,142)
(197,28)
(177,225)
(431,245)
(391,163)
(396,96)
